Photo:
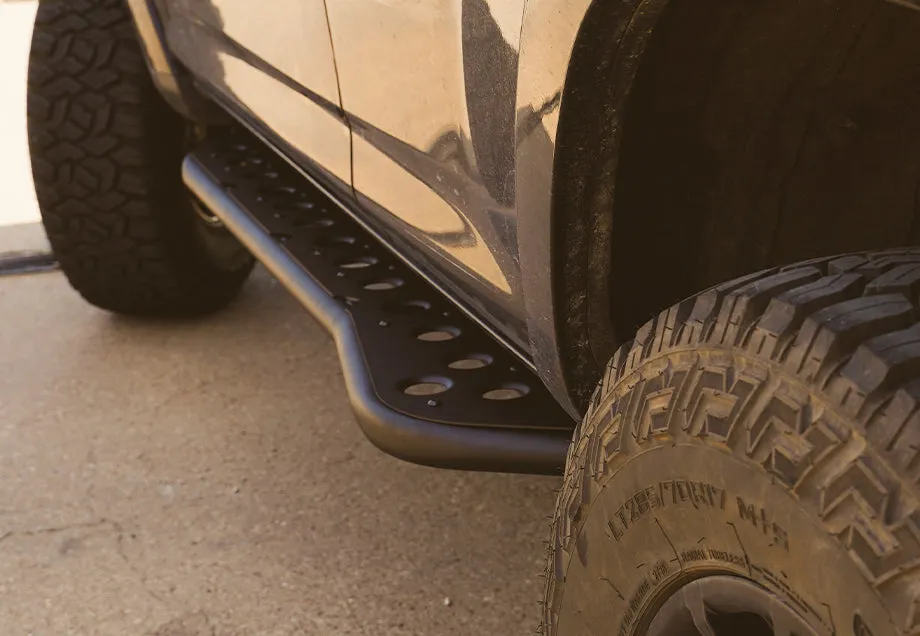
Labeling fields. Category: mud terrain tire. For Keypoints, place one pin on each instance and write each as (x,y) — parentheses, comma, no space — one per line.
(106,157)
(764,431)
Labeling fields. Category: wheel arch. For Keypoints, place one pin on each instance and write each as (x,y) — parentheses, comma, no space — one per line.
(171,80)
(733,135)
(563,236)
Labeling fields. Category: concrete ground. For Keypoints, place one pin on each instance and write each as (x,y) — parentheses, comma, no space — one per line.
(207,478)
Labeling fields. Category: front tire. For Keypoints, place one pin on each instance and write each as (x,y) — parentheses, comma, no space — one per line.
(762,437)
(106,160)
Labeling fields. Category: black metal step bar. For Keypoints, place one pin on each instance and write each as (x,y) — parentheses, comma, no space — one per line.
(426,383)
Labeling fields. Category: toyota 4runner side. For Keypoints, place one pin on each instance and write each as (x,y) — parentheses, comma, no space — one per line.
(662,248)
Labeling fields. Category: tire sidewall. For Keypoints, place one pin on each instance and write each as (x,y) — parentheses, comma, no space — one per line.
(676,512)
(121,225)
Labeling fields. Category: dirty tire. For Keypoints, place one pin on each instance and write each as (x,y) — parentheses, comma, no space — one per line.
(767,429)
(106,159)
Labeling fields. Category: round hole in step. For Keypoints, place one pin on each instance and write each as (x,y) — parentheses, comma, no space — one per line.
(426,386)
(358,263)
(470,362)
(383,284)
(507,391)
(438,334)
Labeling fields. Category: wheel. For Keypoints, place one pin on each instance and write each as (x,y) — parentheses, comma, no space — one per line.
(106,160)
(748,465)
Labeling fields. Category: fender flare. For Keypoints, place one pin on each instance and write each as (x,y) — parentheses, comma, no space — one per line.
(577,64)
(170,80)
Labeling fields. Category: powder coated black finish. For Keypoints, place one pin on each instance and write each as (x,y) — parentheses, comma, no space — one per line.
(399,339)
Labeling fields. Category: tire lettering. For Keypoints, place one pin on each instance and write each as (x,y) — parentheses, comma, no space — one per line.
(794,597)
(699,494)
(635,603)
(759,518)
(660,571)
(728,557)
(693,555)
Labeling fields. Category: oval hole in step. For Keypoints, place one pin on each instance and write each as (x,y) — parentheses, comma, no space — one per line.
(438,334)
(311,222)
(470,362)
(507,391)
(409,307)
(348,301)
(384,284)
(426,386)
(337,241)
(358,263)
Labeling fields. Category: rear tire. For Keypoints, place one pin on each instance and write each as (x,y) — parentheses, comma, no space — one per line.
(768,431)
(106,160)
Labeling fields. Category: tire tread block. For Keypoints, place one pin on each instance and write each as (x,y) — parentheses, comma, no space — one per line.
(105,147)
(833,341)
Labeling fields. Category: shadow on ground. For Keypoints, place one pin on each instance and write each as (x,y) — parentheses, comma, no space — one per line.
(158,477)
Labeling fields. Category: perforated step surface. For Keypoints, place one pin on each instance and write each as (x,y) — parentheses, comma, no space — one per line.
(424,357)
